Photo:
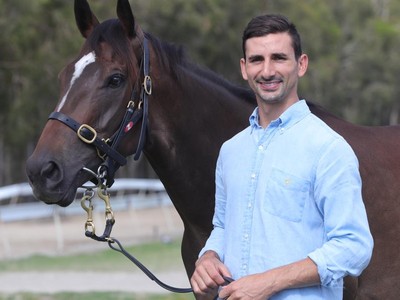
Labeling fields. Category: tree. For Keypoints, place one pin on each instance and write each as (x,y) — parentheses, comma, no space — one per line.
(353,45)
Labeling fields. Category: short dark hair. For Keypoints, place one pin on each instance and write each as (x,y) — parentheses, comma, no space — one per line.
(272,23)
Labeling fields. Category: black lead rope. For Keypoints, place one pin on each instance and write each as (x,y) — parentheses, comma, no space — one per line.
(146,271)
(149,274)
(90,232)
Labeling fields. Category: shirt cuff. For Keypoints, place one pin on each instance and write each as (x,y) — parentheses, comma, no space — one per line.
(327,277)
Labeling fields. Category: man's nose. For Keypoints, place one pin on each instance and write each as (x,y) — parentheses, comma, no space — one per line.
(268,69)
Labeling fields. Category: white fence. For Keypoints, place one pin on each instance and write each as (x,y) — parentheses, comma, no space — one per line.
(127,193)
(143,211)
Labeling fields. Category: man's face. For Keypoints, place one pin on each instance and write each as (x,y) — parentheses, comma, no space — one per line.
(271,69)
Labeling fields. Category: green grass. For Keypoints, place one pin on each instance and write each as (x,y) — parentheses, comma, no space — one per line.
(155,256)
(96,296)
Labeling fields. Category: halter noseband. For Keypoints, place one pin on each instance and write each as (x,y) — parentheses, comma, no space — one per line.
(107,149)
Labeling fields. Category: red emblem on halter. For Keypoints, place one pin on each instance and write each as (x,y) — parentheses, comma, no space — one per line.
(128,126)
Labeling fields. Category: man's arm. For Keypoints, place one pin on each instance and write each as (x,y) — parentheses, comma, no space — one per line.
(264,285)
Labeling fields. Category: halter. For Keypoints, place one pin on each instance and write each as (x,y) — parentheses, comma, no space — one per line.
(107,149)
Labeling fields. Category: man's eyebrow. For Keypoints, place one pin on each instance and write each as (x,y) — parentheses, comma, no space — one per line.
(256,57)
(279,55)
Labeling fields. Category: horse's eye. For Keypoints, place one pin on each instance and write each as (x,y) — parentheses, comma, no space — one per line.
(115,81)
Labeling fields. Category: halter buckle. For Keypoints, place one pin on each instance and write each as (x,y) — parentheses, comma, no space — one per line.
(86,130)
(147,85)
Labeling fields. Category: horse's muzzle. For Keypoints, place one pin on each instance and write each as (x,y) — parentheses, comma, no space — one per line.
(48,182)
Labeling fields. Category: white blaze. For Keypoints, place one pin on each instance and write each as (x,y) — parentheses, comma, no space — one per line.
(80,65)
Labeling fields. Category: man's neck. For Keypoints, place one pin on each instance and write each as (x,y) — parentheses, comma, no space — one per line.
(268,112)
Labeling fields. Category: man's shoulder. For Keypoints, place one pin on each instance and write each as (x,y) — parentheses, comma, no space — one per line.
(239,137)
(323,128)
(237,144)
(322,136)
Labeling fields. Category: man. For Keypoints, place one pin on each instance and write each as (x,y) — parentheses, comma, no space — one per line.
(289,220)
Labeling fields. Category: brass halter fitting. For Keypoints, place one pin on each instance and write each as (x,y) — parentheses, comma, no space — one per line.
(90,229)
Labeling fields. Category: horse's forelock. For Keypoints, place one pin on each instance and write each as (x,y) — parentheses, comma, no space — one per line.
(112,33)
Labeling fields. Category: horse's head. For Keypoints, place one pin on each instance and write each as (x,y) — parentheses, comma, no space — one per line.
(95,97)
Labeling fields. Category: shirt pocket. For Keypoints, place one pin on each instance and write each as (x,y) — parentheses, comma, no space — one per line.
(286,195)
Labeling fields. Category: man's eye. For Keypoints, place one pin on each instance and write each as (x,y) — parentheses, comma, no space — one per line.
(256,59)
(115,81)
(280,57)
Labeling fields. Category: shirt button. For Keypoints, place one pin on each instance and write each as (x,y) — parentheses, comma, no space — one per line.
(245,236)
(244,266)
(261,147)
(253,176)
(249,205)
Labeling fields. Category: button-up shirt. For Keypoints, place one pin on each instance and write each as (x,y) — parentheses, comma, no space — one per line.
(287,192)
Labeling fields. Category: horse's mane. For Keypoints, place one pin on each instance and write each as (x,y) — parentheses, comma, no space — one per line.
(174,58)
(321,112)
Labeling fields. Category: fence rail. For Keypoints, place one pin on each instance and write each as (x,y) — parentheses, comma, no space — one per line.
(18,203)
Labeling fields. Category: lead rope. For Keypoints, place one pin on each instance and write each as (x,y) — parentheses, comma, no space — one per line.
(90,231)
(146,271)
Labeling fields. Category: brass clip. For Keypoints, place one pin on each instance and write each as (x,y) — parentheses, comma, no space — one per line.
(88,195)
(102,193)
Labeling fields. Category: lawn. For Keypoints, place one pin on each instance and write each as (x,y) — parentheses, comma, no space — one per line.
(96,296)
(155,256)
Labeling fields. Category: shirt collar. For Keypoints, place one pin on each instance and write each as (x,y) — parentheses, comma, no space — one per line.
(291,116)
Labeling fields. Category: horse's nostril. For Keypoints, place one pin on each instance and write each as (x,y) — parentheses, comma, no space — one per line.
(52,171)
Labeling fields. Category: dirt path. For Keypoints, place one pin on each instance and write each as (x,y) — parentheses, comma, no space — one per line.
(65,235)
(54,282)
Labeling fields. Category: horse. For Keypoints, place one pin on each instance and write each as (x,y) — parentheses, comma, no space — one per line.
(186,112)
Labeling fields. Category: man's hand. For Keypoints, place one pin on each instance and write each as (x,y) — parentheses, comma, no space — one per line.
(264,285)
(208,276)
(251,287)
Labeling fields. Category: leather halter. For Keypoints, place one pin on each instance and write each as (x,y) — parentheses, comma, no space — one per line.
(107,149)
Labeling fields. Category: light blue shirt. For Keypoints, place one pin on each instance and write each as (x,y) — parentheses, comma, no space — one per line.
(287,192)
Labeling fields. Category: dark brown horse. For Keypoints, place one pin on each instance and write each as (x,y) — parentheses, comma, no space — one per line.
(191,112)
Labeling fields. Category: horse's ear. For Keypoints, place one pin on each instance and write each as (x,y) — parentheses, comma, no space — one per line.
(84,17)
(125,16)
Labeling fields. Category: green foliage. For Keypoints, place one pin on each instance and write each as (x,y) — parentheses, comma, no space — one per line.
(352,45)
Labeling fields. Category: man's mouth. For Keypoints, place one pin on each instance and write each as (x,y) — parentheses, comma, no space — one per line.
(270,85)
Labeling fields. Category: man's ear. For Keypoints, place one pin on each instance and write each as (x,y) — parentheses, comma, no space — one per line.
(303,65)
(243,68)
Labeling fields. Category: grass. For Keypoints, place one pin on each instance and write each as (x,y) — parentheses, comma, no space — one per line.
(96,296)
(155,256)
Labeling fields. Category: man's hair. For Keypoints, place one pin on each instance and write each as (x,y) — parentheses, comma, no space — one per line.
(267,24)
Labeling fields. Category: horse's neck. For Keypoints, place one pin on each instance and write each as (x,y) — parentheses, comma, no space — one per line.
(198,111)
(190,119)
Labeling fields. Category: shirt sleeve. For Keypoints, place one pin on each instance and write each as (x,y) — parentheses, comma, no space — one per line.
(337,190)
(215,240)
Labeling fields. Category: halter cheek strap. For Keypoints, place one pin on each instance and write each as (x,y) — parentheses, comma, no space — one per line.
(145,93)
(89,136)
